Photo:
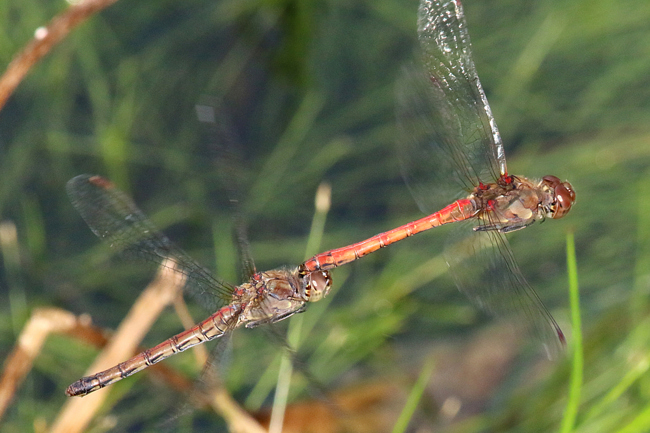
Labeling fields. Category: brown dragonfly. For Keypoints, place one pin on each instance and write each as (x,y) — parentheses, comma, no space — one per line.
(267,297)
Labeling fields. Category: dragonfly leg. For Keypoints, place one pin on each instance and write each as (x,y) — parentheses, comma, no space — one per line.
(512,226)
(275,319)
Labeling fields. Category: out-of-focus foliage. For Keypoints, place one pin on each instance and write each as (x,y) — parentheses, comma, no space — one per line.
(309,88)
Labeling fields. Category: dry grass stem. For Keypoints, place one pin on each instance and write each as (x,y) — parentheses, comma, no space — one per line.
(42,322)
(43,41)
(78,412)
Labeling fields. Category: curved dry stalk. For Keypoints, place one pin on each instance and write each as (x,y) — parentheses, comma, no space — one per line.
(43,41)
(42,322)
(78,412)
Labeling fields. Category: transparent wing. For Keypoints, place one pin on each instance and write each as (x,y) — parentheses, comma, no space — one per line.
(484,269)
(226,150)
(447,134)
(113,217)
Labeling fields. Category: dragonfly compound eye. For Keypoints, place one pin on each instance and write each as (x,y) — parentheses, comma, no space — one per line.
(317,285)
(564,195)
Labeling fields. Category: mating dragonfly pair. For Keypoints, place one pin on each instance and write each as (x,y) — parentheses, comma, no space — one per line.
(448,141)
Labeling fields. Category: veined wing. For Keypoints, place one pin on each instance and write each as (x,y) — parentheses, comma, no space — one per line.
(113,217)
(447,134)
(484,269)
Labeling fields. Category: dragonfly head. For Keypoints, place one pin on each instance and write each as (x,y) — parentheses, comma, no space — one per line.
(316,285)
(563,196)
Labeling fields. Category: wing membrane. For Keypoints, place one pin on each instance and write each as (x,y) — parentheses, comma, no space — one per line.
(484,269)
(114,218)
(448,136)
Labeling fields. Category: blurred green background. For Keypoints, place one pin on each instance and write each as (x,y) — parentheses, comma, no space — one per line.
(309,88)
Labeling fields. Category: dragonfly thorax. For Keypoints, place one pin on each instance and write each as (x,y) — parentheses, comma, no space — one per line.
(270,296)
(277,294)
(513,205)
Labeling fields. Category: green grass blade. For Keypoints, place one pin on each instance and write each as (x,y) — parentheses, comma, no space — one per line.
(414,398)
(323,200)
(575,387)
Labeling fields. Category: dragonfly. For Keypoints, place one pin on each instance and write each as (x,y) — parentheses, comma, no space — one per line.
(267,297)
(448,145)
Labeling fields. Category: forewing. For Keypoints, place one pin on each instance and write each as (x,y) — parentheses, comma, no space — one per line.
(484,269)
(448,139)
(226,150)
(114,218)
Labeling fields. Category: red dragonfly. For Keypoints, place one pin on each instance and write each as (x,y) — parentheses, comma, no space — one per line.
(449,142)
(267,297)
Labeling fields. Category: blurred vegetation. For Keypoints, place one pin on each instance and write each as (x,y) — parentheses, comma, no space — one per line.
(309,87)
